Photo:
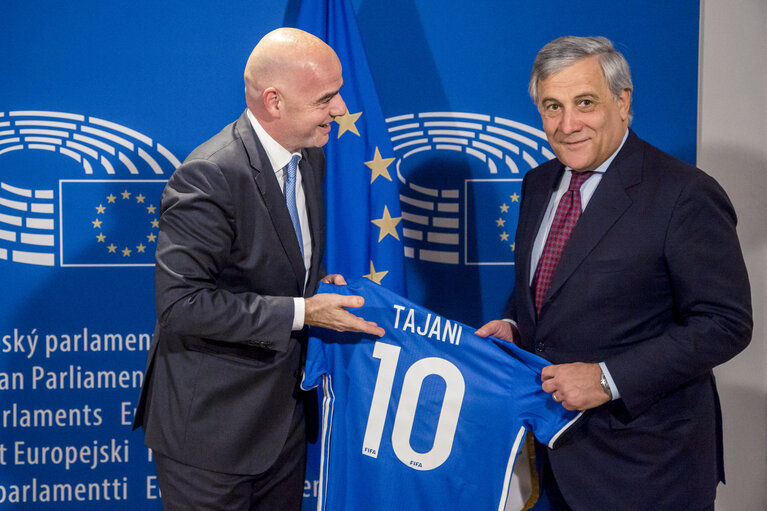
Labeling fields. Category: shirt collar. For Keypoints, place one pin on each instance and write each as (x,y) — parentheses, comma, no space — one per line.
(278,155)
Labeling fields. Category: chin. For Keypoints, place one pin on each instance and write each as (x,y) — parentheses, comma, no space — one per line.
(577,164)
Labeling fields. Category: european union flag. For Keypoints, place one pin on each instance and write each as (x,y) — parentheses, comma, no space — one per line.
(109,223)
(362,197)
(492,212)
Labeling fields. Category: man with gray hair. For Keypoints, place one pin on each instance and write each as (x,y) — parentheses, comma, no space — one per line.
(630,280)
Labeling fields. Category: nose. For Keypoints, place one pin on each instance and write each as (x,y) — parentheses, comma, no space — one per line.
(570,121)
(337,106)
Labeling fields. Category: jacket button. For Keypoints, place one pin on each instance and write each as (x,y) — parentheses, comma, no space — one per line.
(539,346)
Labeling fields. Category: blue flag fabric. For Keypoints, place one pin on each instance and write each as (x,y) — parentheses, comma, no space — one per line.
(364,231)
(492,212)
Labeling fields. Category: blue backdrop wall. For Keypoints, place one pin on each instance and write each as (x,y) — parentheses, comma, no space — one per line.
(100,100)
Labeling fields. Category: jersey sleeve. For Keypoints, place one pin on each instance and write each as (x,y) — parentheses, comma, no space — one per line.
(552,428)
(315,365)
(548,420)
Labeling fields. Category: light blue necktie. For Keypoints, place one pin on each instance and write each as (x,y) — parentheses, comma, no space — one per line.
(290,198)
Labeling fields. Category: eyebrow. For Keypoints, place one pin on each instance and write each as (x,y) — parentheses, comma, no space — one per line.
(549,100)
(327,97)
(587,95)
(584,95)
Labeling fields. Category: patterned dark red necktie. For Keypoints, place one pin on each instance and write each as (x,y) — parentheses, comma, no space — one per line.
(565,218)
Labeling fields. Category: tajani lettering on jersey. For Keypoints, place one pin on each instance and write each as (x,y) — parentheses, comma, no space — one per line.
(434,327)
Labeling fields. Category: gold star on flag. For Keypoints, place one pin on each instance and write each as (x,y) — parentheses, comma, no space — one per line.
(101,238)
(504,237)
(126,252)
(155,223)
(513,247)
(346,123)
(387,224)
(514,198)
(112,248)
(140,198)
(375,276)
(150,209)
(504,208)
(111,198)
(151,238)
(379,166)
(96,224)
(500,222)
(140,248)
(100,209)
(126,194)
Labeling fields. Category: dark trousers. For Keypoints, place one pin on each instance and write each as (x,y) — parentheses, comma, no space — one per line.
(550,489)
(279,488)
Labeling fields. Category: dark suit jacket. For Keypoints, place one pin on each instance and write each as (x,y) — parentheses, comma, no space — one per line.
(221,384)
(652,282)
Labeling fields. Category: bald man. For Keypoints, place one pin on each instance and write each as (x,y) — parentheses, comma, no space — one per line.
(220,404)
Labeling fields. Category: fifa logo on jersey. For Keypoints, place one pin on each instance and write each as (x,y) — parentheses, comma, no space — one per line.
(77,190)
(460,179)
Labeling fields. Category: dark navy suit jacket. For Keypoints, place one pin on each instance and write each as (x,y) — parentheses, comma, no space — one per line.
(652,282)
(222,379)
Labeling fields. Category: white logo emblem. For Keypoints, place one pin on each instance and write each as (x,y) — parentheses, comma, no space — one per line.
(455,209)
(49,207)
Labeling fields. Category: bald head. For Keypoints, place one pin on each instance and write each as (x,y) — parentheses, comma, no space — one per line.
(283,57)
(292,82)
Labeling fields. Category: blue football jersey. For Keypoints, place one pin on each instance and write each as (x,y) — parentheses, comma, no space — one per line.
(427,417)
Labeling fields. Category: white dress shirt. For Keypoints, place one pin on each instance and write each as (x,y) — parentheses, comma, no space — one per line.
(279,158)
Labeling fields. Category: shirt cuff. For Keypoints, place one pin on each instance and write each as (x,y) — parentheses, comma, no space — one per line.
(299,313)
(613,388)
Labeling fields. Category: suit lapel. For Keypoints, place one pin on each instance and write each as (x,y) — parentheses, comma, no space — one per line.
(271,193)
(607,205)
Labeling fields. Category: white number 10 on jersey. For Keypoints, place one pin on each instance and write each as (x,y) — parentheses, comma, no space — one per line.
(405,416)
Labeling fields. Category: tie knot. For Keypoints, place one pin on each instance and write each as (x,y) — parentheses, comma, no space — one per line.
(577,179)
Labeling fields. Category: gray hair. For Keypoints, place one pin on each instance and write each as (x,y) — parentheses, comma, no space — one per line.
(565,51)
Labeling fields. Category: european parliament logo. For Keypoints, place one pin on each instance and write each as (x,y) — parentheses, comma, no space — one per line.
(461,177)
(77,190)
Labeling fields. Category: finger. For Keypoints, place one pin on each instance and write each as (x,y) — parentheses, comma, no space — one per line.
(548,372)
(373,329)
(352,301)
(496,328)
(334,278)
(484,330)
(359,324)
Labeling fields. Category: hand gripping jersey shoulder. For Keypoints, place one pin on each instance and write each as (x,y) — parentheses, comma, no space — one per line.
(429,416)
